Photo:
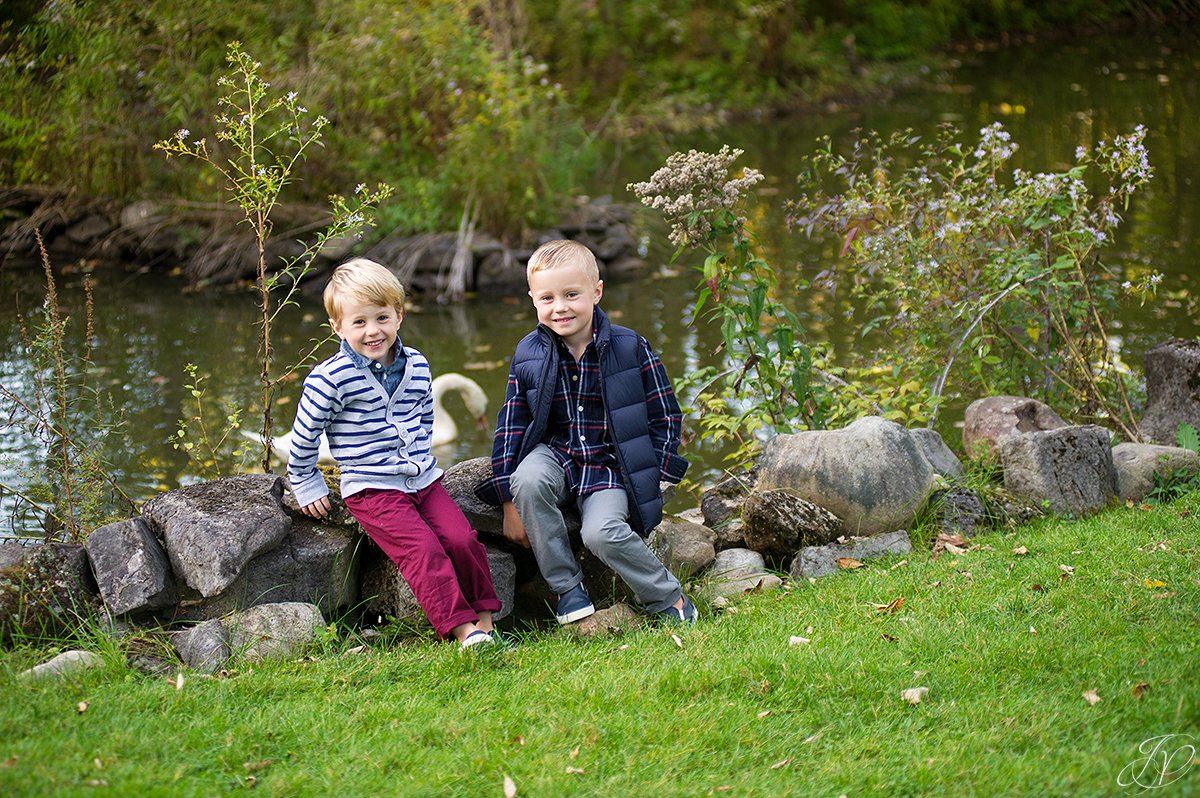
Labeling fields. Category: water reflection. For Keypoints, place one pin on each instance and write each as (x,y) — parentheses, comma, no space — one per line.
(1052,96)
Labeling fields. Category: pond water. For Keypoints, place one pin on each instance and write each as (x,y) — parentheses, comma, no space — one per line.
(1052,96)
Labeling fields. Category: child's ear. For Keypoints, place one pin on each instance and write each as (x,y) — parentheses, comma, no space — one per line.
(599,292)
(336,326)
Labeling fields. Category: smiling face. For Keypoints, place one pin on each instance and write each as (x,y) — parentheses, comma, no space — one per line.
(370,329)
(564,297)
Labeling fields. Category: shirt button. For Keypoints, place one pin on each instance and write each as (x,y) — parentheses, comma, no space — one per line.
(582,439)
(575,378)
(581,408)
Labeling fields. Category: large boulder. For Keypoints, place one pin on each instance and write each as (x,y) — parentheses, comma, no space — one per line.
(203,647)
(814,561)
(944,461)
(778,521)
(274,630)
(990,420)
(45,589)
(131,568)
(213,529)
(872,474)
(1141,466)
(722,507)
(314,563)
(685,547)
(1172,390)
(1068,470)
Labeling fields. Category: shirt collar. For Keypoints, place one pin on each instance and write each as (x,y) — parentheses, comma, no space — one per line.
(364,362)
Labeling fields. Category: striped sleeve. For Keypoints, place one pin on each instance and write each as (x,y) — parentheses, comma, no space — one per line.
(318,403)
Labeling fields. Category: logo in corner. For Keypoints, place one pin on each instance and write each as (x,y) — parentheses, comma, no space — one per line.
(1164,760)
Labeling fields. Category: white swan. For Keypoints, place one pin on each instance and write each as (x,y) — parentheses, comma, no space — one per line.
(445,431)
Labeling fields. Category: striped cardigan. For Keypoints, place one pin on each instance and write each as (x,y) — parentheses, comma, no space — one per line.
(378,441)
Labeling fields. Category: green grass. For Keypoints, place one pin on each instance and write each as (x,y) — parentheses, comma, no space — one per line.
(1006,644)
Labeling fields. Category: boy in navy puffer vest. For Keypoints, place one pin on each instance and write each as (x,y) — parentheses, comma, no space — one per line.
(589,416)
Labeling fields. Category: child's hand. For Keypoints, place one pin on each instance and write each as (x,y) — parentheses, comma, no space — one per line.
(514,528)
(318,509)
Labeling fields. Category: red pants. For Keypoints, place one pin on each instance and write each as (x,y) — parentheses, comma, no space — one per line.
(437,552)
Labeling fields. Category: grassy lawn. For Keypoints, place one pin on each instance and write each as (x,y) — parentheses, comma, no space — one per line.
(1007,644)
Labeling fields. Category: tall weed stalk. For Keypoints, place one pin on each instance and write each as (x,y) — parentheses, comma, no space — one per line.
(262,137)
(66,417)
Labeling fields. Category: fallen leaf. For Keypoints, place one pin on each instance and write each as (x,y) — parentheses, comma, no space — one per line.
(781,763)
(575,771)
(519,740)
(97,764)
(574,753)
(510,788)
(1020,551)
(848,563)
(10,762)
(913,695)
(891,606)
(798,641)
(251,781)
(81,707)
(1032,631)
(936,584)
(1140,689)
(177,682)
(900,564)
(97,783)
(254,767)
(1036,587)
(678,642)
(951,543)
(723,788)
(1167,594)
(888,637)
(812,738)
(1069,570)
(764,713)
(1092,697)
(1153,583)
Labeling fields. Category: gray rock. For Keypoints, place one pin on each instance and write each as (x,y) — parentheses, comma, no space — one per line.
(739,571)
(959,511)
(1068,470)
(606,622)
(722,508)
(685,547)
(131,568)
(213,529)
(141,213)
(504,578)
(816,561)
(938,453)
(274,630)
(45,589)
(65,664)
(988,421)
(89,230)
(778,521)
(204,647)
(1141,465)
(872,474)
(1172,390)
(314,563)
(460,481)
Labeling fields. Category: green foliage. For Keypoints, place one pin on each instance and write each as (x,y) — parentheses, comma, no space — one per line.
(425,97)
(769,386)
(1188,438)
(262,139)
(61,413)
(973,273)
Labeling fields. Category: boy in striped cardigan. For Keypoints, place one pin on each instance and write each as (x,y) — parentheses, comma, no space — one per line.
(373,400)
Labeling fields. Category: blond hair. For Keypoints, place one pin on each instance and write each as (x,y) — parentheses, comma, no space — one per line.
(564,252)
(365,281)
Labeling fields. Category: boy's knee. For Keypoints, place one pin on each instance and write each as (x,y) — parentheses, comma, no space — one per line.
(611,532)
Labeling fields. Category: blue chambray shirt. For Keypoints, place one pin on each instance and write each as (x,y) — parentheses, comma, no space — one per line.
(388,376)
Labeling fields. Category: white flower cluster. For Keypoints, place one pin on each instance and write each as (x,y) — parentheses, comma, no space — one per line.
(995,144)
(691,187)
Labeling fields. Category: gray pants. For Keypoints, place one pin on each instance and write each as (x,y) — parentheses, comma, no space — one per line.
(539,488)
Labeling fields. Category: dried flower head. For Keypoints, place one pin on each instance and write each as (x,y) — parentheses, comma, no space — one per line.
(690,189)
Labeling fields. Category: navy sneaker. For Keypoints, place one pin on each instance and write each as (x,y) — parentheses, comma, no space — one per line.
(574,605)
(677,615)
